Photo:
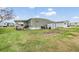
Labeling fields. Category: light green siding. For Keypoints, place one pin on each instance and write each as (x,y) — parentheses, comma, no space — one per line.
(38,22)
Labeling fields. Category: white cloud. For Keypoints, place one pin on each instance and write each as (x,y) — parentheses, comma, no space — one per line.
(32,7)
(49,13)
(37,16)
(75,17)
(50,9)
(42,12)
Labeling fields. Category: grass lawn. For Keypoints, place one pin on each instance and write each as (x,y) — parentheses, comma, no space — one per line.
(59,39)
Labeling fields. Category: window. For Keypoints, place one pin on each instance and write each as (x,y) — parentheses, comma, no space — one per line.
(21,24)
(64,23)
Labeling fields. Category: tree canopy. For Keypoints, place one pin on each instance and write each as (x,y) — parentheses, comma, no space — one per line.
(6,14)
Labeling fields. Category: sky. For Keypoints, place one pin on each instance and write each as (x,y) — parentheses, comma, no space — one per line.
(51,13)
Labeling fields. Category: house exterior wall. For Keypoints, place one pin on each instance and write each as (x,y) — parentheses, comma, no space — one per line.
(61,25)
(37,23)
(33,25)
(56,25)
(52,25)
(74,24)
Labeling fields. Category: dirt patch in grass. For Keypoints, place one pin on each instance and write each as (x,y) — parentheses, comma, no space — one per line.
(53,32)
(61,46)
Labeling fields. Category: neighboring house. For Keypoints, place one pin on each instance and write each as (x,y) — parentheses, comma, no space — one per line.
(3,24)
(6,24)
(74,24)
(10,24)
(64,24)
(39,23)
(20,24)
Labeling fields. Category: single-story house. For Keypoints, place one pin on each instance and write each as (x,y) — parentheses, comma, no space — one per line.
(6,24)
(3,24)
(39,23)
(32,23)
(57,24)
(74,24)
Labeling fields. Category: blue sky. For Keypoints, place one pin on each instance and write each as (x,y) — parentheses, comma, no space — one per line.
(52,13)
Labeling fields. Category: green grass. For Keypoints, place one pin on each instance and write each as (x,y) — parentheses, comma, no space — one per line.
(59,39)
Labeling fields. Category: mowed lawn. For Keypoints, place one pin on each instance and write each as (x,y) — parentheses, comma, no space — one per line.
(54,40)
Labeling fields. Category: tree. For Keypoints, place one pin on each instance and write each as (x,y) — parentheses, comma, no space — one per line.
(6,14)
